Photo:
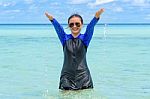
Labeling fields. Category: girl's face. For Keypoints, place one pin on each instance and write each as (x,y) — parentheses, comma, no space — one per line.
(75,25)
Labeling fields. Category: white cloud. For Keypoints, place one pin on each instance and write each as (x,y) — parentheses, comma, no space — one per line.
(138,2)
(125,0)
(147,17)
(5,12)
(14,11)
(99,2)
(118,9)
(6,4)
(29,1)
(78,1)
(43,1)
(32,7)
(54,4)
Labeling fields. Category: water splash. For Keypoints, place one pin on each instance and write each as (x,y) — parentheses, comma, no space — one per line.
(45,94)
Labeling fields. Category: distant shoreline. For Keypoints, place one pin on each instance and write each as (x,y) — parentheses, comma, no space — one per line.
(67,24)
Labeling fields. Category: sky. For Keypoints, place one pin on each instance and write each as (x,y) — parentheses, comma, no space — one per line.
(32,11)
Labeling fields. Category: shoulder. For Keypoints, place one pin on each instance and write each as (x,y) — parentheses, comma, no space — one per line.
(81,36)
(68,36)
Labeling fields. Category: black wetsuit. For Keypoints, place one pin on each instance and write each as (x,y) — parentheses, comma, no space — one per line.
(75,73)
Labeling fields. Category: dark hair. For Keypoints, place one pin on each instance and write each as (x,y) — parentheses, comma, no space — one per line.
(75,15)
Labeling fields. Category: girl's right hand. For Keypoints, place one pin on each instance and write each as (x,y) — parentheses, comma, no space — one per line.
(50,17)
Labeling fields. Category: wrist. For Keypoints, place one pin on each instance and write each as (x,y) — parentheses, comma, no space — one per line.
(97,17)
(51,19)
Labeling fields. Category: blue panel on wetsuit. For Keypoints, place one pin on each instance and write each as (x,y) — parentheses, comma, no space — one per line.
(86,37)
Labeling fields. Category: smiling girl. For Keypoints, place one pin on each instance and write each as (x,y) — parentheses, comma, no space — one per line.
(75,73)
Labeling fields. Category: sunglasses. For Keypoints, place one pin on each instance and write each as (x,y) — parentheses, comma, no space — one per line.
(76,23)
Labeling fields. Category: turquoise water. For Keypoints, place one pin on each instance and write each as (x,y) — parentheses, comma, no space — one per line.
(31,59)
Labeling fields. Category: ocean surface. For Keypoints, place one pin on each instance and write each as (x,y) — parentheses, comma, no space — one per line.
(31,58)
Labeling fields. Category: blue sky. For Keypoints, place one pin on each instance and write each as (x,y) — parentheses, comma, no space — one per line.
(116,11)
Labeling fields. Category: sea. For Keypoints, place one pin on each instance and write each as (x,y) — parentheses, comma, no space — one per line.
(31,58)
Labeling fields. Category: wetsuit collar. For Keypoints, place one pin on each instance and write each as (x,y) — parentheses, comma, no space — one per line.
(76,36)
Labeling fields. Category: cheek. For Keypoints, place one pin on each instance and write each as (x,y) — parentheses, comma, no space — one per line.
(80,27)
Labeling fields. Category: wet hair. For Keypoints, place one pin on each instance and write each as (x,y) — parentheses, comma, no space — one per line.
(75,15)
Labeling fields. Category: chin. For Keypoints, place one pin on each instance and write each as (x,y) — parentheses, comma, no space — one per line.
(75,32)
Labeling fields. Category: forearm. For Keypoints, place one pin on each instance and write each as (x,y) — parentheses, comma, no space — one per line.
(89,31)
(93,22)
(90,26)
(59,30)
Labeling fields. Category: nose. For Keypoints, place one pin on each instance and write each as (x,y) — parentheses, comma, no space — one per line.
(74,25)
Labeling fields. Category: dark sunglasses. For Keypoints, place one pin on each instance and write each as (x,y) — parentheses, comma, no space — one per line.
(72,24)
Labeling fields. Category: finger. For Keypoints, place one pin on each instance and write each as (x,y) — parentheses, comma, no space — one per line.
(102,10)
(46,13)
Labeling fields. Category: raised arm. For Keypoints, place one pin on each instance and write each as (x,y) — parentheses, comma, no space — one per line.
(59,29)
(90,27)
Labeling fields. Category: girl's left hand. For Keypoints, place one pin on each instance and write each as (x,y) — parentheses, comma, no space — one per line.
(99,12)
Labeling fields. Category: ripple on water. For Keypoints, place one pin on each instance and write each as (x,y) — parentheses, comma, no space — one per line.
(79,94)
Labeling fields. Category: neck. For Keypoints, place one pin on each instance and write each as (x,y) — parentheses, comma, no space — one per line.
(75,35)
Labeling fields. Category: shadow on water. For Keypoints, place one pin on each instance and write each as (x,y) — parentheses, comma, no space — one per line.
(78,94)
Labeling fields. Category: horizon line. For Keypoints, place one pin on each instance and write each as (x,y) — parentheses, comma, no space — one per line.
(67,24)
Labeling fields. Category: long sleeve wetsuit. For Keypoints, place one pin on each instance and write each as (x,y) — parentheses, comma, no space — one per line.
(75,73)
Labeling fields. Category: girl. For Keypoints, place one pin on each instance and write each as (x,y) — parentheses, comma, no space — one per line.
(75,73)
